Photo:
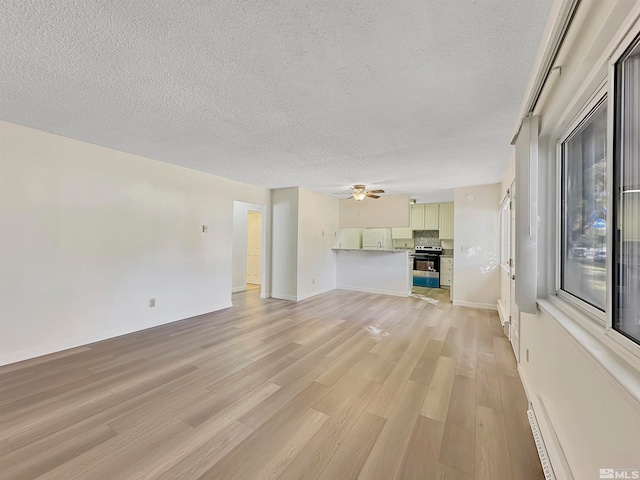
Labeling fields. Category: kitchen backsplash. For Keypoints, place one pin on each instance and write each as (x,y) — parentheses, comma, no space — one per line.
(430,238)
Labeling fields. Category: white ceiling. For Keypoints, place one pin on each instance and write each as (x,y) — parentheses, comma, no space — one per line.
(416,96)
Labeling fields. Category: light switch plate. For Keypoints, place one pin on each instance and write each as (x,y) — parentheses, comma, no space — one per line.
(205,229)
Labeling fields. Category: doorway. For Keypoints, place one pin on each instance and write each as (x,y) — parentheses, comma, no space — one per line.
(249,256)
(507,307)
(254,248)
(514,314)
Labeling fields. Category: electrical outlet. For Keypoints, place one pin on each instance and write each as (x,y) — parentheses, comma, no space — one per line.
(313,281)
(323,233)
(527,354)
(152,303)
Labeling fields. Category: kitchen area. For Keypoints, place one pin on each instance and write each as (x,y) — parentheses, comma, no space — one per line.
(400,260)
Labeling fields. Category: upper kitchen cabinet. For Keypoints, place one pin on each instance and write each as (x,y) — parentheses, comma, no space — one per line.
(446,220)
(417,217)
(432,216)
(425,217)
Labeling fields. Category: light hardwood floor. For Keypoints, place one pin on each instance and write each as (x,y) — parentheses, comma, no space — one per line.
(343,385)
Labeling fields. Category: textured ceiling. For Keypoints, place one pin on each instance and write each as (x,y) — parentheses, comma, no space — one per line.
(416,96)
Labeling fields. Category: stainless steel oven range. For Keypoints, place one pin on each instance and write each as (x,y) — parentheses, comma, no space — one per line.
(426,266)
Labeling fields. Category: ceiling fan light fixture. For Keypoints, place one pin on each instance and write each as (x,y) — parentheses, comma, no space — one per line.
(359,195)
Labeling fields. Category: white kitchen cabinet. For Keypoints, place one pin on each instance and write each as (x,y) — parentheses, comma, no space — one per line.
(425,217)
(417,217)
(432,216)
(402,233)
(446,220)
(446,267)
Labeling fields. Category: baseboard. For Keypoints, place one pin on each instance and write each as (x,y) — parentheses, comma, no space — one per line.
(76,342)
(502,311)
(284,296)
(373,290)
(483,306)
(557,458)
(238,289)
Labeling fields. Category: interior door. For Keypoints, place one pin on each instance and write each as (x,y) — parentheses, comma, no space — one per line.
(254,247)
(513,310)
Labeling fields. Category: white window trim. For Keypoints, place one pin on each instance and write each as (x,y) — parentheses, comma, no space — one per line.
(630,35)
(615,354)
(592,312)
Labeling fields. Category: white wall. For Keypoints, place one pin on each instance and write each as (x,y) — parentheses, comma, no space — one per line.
(305,225)
(476,274)
(284,236)
(239,263)
(317,233)
(385,212)
(88,235)
(596,426)
(576,373)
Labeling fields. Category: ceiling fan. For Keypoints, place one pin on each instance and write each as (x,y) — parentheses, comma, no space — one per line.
(359,192)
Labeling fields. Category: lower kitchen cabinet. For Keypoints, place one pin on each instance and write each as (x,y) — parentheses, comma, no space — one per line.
(446,265)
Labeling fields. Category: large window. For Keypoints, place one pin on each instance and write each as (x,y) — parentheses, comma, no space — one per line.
(626,313)
(584,210)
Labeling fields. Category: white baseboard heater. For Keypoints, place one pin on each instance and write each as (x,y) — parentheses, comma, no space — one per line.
(542,450)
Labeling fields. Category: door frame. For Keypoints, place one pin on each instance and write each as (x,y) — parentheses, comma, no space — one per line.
(264,274)
(249,214)
(507,308)
(514,313)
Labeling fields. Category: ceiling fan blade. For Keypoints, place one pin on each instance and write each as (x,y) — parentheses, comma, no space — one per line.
(372,196)
(375,191)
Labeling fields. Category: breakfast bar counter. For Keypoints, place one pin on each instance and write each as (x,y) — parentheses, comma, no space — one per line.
(386,271)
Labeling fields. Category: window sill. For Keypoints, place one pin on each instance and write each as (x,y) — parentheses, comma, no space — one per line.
(620,366)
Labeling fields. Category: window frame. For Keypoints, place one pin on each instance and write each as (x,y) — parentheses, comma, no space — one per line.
(616,355)
(629,40)
(600,97)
